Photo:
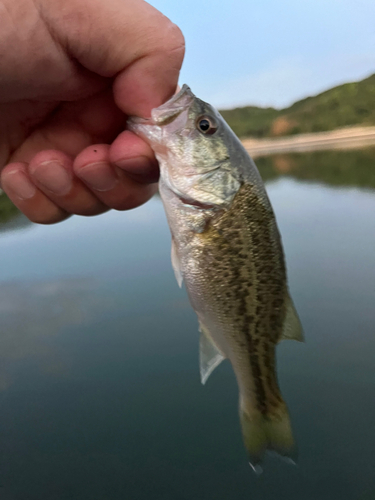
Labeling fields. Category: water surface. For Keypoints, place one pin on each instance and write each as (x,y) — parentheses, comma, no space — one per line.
(99,385)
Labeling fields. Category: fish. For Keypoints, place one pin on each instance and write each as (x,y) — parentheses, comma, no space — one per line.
(227,249)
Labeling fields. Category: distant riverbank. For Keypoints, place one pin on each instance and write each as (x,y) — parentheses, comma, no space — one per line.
(345,138)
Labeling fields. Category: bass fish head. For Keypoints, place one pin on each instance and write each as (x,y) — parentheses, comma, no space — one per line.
(201,159)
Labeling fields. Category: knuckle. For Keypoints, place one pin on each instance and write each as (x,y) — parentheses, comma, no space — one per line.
(172,41)
(167,39)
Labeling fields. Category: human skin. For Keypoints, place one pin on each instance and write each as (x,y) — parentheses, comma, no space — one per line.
(71,73)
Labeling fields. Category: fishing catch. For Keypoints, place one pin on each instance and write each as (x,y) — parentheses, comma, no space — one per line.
(227,249)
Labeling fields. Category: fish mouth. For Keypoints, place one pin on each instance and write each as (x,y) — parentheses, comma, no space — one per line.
(151,129)
(167,112)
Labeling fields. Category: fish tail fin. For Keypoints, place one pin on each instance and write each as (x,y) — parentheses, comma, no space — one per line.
(270,431)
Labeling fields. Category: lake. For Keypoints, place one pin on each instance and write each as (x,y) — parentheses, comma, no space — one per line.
(100,397)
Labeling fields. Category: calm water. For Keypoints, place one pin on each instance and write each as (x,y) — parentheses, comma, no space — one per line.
(99,386)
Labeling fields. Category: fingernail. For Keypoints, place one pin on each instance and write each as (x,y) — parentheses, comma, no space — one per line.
(99,176)
(141,168)
(20,185)
(53,176)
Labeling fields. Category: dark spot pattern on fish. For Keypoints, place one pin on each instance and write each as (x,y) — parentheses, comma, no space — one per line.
(243,257)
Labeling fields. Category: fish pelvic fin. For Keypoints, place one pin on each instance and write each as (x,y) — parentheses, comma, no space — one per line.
(210,355)
(267,432)
(176,264)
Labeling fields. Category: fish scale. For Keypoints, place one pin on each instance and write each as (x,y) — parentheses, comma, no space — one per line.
(239,270)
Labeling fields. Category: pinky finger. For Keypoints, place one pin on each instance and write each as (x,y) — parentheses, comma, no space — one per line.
(27,197)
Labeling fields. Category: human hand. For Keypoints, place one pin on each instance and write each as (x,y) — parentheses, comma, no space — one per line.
(71,72)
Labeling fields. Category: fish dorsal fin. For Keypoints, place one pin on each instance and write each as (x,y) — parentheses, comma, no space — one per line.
(292,328)
(210,355)
(176,264)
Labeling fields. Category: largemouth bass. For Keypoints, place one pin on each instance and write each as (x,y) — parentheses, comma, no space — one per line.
(227,249)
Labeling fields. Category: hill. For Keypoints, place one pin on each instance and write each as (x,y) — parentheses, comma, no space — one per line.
(344,105)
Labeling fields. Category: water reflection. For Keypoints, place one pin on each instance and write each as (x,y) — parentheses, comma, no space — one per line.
(32,312)
(100,395)
(333,168)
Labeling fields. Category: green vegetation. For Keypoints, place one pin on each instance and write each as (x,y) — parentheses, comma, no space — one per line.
(346,105)
(251,121)
(7,209)
(334,168)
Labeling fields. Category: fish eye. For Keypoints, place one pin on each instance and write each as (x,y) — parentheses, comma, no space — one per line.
(206,125)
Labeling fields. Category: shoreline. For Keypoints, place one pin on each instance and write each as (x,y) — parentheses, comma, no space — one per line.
(345,138)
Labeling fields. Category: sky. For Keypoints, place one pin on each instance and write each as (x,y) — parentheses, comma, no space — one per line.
(272,52)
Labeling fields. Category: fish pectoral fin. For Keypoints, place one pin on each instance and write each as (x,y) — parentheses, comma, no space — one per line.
(176,264)
(210,355)
(292,328)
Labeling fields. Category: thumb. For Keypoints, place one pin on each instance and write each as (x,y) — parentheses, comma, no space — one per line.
(126,39)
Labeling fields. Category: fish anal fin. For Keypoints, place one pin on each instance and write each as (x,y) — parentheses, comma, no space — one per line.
(292,328)
(176,264)
(210,355)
